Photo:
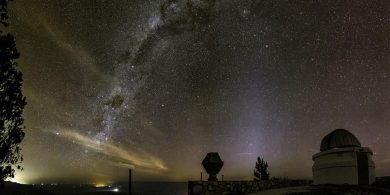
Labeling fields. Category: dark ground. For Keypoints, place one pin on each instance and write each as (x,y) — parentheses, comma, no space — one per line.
(382,186)
(138,188)
(343,189)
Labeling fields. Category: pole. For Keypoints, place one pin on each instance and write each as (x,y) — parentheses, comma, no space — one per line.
(129,181)
(201,176)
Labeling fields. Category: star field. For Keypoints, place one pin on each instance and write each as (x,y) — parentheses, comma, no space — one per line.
(155,85)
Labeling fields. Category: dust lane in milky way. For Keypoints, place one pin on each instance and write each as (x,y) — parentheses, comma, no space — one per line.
(155,85)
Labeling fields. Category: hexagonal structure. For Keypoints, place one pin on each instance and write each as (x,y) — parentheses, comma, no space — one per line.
(213,164)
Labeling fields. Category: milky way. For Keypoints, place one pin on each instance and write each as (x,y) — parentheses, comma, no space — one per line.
(155,85)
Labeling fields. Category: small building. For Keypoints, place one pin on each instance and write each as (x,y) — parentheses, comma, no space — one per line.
(342,160)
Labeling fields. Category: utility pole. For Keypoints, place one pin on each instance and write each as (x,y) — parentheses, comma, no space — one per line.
(129,181)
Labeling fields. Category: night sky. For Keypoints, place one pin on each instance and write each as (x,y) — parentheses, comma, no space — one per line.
(155,85)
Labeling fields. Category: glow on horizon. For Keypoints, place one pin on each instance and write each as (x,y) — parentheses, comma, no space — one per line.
(17,179)
(100,185)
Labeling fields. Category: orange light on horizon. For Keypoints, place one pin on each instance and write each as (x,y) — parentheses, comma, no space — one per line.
(100,185)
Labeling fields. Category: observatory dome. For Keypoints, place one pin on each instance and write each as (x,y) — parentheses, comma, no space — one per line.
(339,138)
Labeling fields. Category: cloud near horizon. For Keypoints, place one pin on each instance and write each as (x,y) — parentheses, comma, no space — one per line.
(120,156)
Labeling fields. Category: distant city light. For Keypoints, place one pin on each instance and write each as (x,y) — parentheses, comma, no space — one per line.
(100,185)
(115,190)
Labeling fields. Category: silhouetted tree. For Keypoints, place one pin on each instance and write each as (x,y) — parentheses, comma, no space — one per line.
(261,170)
(12,102)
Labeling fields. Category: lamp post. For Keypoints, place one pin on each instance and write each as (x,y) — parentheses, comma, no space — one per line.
(129,181)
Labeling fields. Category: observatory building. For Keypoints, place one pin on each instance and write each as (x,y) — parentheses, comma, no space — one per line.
(343,160)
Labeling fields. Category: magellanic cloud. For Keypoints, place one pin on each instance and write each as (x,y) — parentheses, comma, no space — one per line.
(120,156)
